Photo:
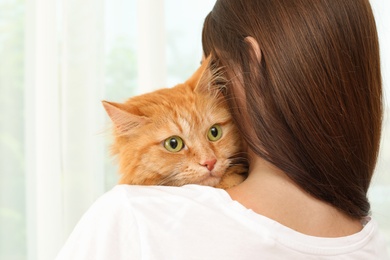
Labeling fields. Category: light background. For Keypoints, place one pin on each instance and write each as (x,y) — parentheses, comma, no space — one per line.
(58,59)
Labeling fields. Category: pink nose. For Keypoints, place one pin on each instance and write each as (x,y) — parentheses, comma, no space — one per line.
(209,164)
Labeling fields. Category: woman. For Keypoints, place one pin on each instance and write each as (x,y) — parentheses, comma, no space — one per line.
(304,86)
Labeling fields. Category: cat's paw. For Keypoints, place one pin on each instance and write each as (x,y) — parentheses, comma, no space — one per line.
(234,176)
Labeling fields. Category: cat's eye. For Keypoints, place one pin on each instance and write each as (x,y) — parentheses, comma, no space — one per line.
(174,144)
(215,133)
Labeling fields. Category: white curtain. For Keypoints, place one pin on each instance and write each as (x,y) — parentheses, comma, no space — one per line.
(70,67)
(59,59)
(64,85)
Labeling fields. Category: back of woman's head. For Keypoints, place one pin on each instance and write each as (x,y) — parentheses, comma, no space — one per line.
(314,98)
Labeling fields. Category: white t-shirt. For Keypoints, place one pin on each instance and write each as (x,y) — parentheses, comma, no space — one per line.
(199,222)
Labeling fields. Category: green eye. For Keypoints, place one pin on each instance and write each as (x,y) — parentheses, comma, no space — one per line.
(174,144)
(215,133)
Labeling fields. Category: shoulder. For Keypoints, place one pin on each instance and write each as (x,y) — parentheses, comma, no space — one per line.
(150,201)
(131,220)
(116,223)
(135,193)
(153,198)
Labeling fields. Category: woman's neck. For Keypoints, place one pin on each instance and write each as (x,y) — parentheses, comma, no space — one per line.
(270,192)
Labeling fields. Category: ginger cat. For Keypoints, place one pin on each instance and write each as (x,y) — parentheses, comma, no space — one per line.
(177,136)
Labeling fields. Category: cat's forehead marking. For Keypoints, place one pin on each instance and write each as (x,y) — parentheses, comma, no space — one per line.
(181,111)
(184,125)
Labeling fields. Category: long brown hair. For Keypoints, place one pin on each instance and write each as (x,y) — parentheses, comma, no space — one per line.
(314,99)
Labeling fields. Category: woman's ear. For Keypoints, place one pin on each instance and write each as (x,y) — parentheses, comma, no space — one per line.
(255,46)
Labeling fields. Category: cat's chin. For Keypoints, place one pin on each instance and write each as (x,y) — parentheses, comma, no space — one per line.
(210,181)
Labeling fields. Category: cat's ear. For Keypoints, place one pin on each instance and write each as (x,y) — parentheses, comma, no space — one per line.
(206,78)
(123,120)
(200,74)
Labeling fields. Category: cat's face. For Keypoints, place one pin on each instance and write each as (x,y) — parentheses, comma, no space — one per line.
(174,136)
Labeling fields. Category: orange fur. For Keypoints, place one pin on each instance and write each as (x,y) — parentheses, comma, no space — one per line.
(187,110)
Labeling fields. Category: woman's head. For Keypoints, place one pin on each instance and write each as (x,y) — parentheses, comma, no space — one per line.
(313,95)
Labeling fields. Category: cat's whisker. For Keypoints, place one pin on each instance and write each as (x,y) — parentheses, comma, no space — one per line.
(239,159)
(238,154)
(142,124)
(169,179)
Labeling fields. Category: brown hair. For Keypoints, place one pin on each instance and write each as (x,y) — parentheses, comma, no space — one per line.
(314,100)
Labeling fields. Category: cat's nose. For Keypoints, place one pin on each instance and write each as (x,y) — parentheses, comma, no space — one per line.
(209,164)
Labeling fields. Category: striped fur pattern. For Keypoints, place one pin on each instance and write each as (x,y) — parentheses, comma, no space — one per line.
(188,110)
